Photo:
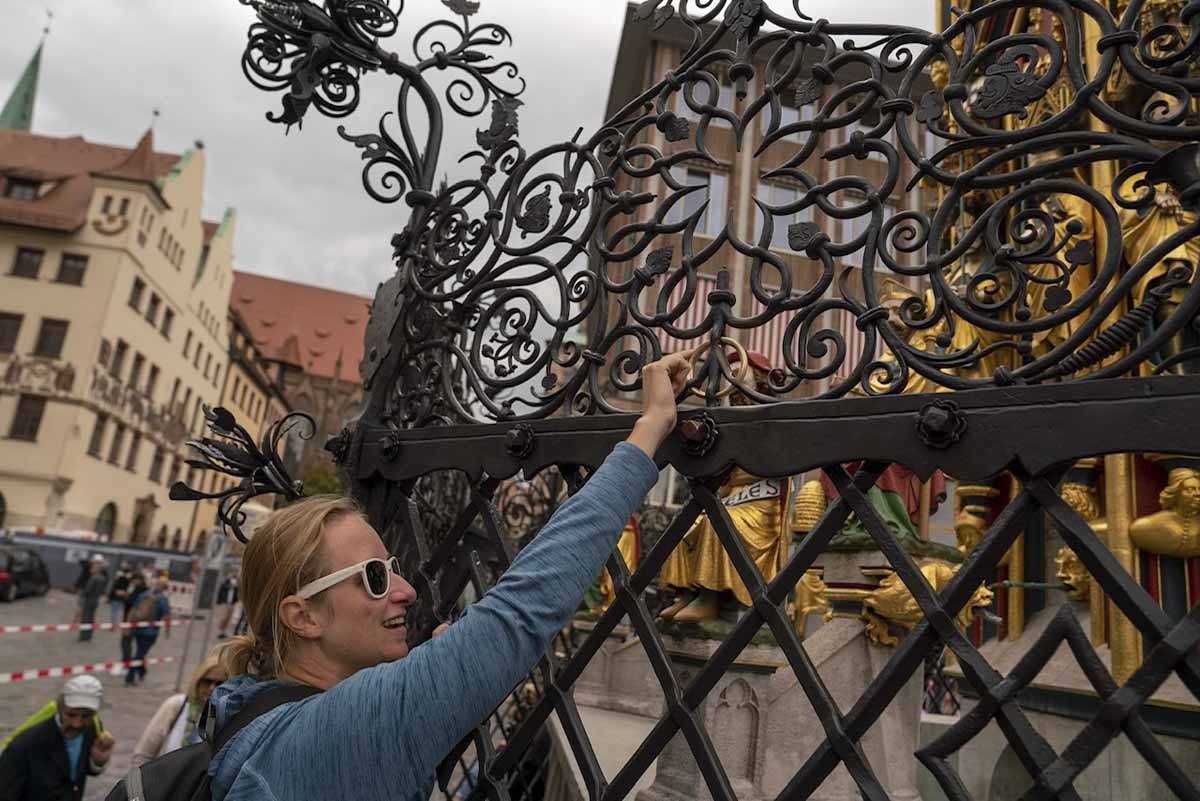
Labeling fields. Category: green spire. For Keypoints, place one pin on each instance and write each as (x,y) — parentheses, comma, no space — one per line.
(18,110)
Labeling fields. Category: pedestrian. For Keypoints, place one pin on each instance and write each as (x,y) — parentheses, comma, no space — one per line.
(227,598)
(117,594)
(89,596)
(174,725)
(327,609)
(148,606)
(137,583)
(52,760)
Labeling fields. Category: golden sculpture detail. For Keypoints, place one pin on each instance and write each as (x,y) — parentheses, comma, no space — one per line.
(1072,572)
(629,547)
(970,520)
(810,504)
(811,599)
(1174,531)
(891,602)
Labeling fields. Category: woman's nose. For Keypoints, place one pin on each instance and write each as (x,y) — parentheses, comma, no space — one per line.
(401,591)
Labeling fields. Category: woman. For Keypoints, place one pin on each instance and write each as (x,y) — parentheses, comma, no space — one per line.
(174,724)
(325,608)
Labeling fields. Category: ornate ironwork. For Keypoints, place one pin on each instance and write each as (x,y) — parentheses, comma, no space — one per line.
(996,284)
(258,466)
(547,241)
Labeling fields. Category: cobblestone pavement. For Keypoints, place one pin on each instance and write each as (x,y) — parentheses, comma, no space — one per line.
(126,710)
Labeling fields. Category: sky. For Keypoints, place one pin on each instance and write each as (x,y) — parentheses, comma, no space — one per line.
(302,212)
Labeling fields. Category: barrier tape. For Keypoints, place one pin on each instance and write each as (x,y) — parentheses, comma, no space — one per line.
(40,628)
(71,670)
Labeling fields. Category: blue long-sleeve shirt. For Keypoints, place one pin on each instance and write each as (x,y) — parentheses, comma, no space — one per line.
(380,733)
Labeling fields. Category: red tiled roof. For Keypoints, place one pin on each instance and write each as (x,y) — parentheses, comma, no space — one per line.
(67,165)
(309,326)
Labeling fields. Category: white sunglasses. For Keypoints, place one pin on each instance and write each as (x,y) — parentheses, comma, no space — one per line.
(376,577)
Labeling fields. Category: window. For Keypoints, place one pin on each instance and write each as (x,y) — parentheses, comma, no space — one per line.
(50,339)
(71,269)
(135,445)
(857,226)
(167,321)
(174,394)
(187,344)
(237,383)
(10,326)
(156,465)
(118,361)
(173,475)
(217,376)
(162,235)
(106,206)
(779,195)
(152,381)
(28,419)
(207,365)
(28,263)
(97,440)
(124,207)
(21,189)
(135,373)
(790,115)
(196,356)
(136,292)
(712,221)
(152,309)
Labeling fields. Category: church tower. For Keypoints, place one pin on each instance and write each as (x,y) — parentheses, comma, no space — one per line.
(18,109)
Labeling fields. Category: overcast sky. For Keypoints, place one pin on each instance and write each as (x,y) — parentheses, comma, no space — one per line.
(302,213)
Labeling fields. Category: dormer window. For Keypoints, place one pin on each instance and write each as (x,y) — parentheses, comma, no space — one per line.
(21,189)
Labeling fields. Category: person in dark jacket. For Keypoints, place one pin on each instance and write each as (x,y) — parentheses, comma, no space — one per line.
(117,594)
(89,596)
(52,760)
(148,606)
(227,598)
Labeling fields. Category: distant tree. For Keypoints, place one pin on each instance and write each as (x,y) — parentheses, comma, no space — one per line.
(322,479)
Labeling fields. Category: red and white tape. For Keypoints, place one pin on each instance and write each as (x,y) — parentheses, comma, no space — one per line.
(41,628)
(71,670)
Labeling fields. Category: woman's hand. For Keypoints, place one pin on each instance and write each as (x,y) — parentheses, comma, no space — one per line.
(661,382)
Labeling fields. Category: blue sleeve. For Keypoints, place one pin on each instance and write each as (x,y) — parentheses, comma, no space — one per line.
(407,715)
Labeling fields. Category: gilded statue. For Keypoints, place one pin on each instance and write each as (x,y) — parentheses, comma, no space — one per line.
(810,600)
(891,602)
(630,548)
(699,571)
(1174,531)
(1072,573)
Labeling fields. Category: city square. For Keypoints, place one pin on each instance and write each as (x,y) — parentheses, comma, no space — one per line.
(676,399)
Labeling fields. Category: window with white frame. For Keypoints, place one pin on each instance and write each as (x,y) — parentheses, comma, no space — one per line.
(713,219)
(776,194)
(789,115)
(856,227)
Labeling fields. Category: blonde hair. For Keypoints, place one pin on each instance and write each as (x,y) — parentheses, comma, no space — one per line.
(213,660)
(282,556)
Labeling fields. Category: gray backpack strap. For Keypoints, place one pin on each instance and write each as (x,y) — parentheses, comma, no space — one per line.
(133,785)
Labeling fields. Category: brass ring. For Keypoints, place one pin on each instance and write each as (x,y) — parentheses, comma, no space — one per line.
(740,375)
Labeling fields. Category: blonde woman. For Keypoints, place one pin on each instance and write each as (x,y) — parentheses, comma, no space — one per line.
(174,724)
(325,607)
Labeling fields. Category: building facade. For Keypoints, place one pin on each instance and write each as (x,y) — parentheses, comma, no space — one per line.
(113,297)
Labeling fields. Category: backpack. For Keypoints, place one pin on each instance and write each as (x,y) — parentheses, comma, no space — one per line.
(183,775)
(145,608)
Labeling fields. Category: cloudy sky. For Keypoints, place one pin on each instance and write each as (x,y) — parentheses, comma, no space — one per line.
(302,213)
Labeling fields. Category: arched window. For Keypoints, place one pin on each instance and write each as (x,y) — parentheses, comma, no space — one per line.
(106,521)
(161,540)
(177,540)
(3,509)
(139,534)
(201,541)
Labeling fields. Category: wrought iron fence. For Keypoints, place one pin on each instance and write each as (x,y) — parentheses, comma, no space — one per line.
(1053,149)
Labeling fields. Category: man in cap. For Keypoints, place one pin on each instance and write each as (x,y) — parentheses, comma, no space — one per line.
(52,760)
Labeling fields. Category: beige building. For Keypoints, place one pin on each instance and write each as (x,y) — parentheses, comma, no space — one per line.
(113,299)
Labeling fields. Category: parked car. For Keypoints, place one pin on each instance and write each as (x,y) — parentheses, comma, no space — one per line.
(22,572)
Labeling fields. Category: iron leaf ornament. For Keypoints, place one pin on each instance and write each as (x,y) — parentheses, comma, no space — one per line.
(258,467)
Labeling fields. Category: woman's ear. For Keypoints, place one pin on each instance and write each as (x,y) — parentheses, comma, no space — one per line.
(299,616)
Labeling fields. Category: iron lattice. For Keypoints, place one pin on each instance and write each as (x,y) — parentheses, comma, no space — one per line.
(460,385)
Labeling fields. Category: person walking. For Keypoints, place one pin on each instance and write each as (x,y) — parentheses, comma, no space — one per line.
(326,607)
(117,594)
(227,598)
(137,583)
(52,760)
(150,605)
(89,596)
(174,725)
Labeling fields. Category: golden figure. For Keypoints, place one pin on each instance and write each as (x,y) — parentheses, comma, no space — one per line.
(699,570)
(1175,531)
(630,548)
(810,599)
(1072,572)
(891,602)
(970,521)
(809,506)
